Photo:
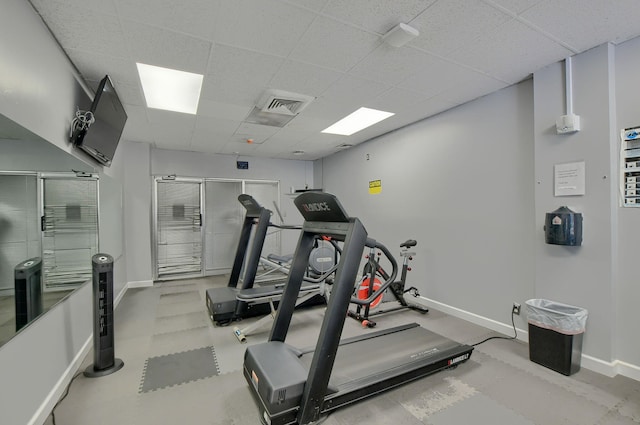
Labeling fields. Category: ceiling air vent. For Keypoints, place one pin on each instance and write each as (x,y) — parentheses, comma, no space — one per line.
(277,107)
(283,102)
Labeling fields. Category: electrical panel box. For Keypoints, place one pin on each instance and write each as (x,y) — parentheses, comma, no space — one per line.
(630,167)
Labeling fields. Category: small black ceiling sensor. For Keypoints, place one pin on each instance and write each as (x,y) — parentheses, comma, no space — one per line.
(242,165)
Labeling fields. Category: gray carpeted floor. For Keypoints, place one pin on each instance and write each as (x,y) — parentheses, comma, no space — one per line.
(180,369)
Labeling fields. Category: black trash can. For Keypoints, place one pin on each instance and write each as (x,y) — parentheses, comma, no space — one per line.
(555,335)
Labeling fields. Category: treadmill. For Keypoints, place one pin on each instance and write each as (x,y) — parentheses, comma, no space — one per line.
(222,303)
(300,386)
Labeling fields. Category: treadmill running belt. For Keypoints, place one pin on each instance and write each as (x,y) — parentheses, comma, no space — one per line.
(377,355)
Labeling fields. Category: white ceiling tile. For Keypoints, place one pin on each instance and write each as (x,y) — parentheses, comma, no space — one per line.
(174,15)
(205,125)
(511,52)
(391,65)
(353,90)
(256,131)
(396,100)
(154,46)
(226,111)
(233,66)
(437,76)
(328,110)
(309,122)
(320,144)
(449,25)
(137,128)
(211,142)
(240,95)
(95,66)
(211,133)
(378,16)
(583,25)
(49,8)
(324,44)
(289,137)
(302,78)
(315,5)
(267,26)
(514,6)
(237,145)
(466,49)
(88,29)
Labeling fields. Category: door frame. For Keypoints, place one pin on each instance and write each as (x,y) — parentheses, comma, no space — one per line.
(154,219)
(202,181)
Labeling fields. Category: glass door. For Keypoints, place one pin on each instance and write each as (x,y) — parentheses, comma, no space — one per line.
(69,229)
(223,222)
(178,236)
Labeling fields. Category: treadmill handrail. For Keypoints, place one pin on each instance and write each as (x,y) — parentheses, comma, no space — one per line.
(391,279)
(285,226)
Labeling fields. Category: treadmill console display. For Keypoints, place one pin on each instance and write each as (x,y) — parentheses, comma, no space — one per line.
(323,207)
(251,205)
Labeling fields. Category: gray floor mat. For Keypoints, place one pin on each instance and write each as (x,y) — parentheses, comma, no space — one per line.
(179,368)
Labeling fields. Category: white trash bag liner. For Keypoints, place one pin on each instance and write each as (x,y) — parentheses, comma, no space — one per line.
(563,318)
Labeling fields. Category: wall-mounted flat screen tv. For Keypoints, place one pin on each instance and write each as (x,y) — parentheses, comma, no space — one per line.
(101,138)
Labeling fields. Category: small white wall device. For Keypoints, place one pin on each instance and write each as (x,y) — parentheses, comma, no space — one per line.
(569,123)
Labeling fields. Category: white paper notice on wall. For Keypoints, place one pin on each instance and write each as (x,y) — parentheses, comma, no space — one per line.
(569,179)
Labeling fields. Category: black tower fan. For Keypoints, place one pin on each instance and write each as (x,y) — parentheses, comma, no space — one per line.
(28,291)
(104,361)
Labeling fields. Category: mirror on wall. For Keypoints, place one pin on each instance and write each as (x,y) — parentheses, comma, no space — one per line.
(25,250)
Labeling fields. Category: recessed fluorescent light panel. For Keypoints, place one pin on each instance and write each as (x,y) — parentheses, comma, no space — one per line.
(356,121)
(170,89)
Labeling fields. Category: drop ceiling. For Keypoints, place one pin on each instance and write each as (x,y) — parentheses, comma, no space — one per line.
(328,49)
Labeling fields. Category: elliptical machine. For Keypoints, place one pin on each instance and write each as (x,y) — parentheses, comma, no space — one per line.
(365,288)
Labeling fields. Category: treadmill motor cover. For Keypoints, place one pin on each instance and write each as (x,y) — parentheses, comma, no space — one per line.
(278,378)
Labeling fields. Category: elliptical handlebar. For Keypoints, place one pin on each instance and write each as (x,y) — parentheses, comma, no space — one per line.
(372,243)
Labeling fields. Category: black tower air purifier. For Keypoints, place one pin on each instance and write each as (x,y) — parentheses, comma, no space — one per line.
(28,291)
(104,361)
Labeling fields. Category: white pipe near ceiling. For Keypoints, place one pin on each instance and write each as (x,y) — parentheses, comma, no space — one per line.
(569,85)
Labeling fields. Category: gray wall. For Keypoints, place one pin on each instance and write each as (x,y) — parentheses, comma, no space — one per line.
(601,275)
(141,162)
(473,185)
(39,88)
(580,276)
(627,293)
(39,91)
(461,184)
(137,210)
(289,173)
(35,154)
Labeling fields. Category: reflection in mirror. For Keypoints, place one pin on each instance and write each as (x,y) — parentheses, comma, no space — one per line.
(23,155)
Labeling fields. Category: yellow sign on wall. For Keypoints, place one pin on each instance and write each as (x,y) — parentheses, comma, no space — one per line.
(375,187)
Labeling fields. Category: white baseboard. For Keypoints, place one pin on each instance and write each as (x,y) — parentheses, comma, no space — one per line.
(140,284)
(628,370)
(494,325)
(41,415)
(600,366)
(603,367)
